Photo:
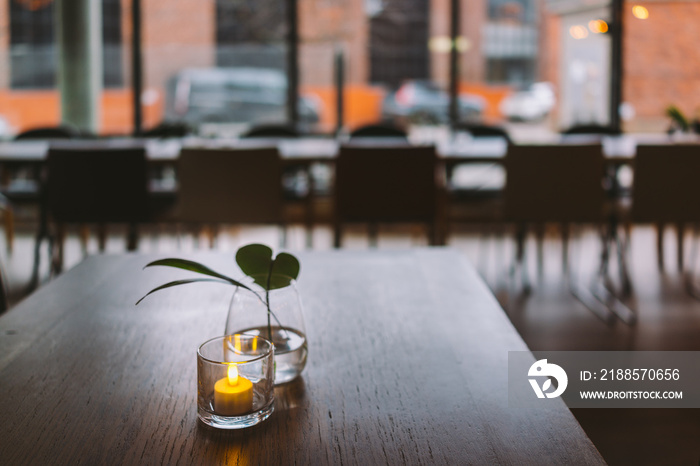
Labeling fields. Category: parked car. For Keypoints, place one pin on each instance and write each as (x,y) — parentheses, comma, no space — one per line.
(233,95)
(532,104)
(420,101)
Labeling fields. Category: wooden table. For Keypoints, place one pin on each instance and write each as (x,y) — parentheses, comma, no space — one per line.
(408,356)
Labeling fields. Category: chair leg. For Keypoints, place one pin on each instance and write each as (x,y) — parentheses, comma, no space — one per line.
(10,229)
(680,251)
(132,238)
(57,253)
(565,234)
(211,232)
(520,236)
(539,232)
(660,245)
(337,234)
(102,236)
(373,233)
(84,233)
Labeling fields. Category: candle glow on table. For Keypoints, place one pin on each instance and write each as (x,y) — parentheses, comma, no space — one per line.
(233,395)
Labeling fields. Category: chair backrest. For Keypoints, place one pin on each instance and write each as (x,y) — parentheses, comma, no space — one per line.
(666,187)
(97,184)
(554,183)
(167,130)
(379,130)
(230,185)
(592,129)
(53,132)
(271,131)
(386,184)
(481,130)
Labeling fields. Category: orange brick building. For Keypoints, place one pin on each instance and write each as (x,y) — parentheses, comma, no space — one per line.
(660,68)
(661,59)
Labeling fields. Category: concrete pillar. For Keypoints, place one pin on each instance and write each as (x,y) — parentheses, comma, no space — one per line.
(79,39)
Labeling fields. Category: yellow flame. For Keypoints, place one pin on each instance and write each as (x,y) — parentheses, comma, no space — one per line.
(640,12)
(233,374)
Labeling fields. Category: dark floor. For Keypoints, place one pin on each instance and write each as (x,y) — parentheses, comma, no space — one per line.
(548,318)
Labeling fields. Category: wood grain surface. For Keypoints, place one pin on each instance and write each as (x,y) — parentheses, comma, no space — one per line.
(407,364)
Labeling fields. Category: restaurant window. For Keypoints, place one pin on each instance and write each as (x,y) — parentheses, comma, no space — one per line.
(390,71)
(33,51)
(510,42)
(225,71)
(398,42)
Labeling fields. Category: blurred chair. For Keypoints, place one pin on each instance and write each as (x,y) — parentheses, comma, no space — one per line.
(475,190)
(296,178)
(479,130)
(379,130)
(386,185)
(21,182)
(49,132)
(96,184)
(666,190)
(271,131)
(167,130)
(592,129)
(232,186)
(560,184)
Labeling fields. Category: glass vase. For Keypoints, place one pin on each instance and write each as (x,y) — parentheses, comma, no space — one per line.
(282,322)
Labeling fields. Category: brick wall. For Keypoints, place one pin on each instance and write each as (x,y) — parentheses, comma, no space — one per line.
(662,61)
(176,34)
(325,25)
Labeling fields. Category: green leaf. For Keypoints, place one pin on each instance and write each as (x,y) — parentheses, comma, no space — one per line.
(182,282)
(255,260)
(285,268)
(194,267)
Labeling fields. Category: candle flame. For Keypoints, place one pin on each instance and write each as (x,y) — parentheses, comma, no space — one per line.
(232,374)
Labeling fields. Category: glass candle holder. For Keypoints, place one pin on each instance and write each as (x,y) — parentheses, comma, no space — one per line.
(235,381)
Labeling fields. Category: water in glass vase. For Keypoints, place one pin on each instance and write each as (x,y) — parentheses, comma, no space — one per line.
(290,351)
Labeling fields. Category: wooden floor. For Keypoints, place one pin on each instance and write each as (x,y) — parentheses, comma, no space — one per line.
(548,318)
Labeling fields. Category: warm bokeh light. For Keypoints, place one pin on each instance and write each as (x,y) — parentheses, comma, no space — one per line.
(578,32)
(232,374)
(463,44)
(640,12)
(598,26)
(443,44)
(440,44)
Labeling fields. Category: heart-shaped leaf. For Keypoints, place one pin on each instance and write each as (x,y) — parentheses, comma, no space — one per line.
(255,260)
(285,268)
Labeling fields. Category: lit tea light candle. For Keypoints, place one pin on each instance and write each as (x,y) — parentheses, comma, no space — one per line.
(233,395)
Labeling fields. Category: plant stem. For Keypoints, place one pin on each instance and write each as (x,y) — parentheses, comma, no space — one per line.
(269,309)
